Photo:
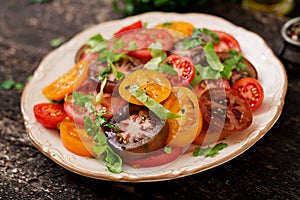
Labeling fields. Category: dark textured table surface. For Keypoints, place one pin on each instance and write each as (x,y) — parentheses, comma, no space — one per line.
(268,170)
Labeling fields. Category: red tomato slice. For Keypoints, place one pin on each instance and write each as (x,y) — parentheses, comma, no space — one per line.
(227,42)
(49,114)
(252,90)
(226,109)
(184,67)
(135,25)
(161,158)
(136,42)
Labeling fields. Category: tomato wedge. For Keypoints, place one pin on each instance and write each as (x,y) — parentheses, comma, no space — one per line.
(66,83)
(161,158)
(75,139)
(227,42)
(184,67)
(49,114)
(252,90)
(156,85)
(183,130)
(135,25)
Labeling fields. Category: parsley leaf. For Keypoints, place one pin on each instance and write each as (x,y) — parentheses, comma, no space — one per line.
(209,151)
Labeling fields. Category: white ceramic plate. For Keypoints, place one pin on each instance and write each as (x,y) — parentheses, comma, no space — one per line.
(271,74)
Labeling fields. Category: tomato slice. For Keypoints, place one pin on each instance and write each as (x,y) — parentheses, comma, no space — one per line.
(226,109)
(184,28)
(185,129)
(208,84)
(184,67)
(135,25)
(66,83)
(252,90)
(161,158)
(227,42)
(156,85)
(137,42)
(49,114)
(75,139)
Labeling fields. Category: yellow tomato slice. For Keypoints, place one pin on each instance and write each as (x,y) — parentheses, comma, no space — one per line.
(185,129)
(154,84)
(184,28)
(66,83)
(75,139)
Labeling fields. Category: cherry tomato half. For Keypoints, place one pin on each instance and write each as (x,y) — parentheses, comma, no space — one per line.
(184,67)
(75,139)
(135,25)
(227,42)
(137,42)
(49,114)
(226,109)
(161,158)
(252,90)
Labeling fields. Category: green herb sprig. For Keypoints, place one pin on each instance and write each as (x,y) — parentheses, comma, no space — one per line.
(209,151)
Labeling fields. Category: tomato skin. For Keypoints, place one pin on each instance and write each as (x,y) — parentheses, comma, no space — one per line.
(75,139)
(227,42)
(184,67)
(135,25)
(49,114)
(252,90)
(225,109)
(161,158)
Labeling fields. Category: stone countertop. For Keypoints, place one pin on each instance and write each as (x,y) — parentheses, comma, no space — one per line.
(268,170)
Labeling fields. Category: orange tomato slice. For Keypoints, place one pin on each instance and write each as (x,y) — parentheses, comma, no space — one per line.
(185,129)
(75,139)
(184,28)
(66,83)
(153,83)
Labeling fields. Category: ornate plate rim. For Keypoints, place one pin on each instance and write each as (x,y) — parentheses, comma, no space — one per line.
(59,155)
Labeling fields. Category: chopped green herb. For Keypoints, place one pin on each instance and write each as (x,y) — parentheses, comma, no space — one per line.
(212,58)
(7,84)
(56,42)
(118,45)
(189,43)
(168,149)
(197,32)
(209,151)
(150,103)
(118,75)
(96,43)
(113,161)
(167,69)
(234,60)
(167,24)
(132,46)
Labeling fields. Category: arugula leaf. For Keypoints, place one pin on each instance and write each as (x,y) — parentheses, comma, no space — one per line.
(167,69)
(189,43)
(118,75)
(113,161)
(209,151)
(150,103)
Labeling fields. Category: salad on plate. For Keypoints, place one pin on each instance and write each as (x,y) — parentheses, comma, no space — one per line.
(147,95)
